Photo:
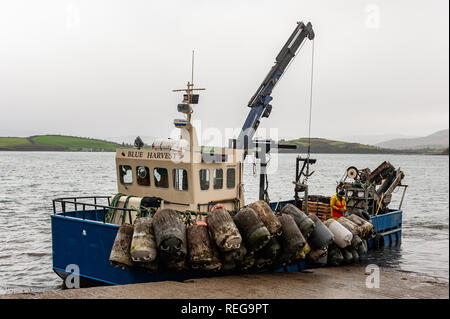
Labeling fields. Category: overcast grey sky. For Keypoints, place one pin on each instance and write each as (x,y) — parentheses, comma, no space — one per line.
(107,68)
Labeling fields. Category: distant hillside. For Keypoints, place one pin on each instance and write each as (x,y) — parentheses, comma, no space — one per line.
(438,140)
(321,145)
(73,143)
(55,143)
(373,139)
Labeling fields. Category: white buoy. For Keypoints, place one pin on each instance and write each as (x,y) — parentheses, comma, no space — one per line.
(342,236)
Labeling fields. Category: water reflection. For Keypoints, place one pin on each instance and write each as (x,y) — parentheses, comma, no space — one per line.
(387,257)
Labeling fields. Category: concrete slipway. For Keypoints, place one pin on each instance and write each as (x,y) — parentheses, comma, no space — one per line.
(330,282)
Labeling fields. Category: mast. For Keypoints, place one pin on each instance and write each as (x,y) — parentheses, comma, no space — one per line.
(189,98)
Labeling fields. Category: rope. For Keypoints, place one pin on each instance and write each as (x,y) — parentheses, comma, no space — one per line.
(124,212)
(266,189)
(266,192)
(146,211)
(311,99)
(310,113)
(188,217)
(138,211)
(111,212)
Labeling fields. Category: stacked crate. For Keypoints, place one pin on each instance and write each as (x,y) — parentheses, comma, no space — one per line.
(320,209)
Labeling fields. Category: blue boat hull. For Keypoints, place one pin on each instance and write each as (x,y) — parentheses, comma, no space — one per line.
(83,239)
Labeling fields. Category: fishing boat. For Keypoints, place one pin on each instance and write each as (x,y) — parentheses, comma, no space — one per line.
(182,176)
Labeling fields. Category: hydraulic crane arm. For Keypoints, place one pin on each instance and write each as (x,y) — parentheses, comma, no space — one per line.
(259,103)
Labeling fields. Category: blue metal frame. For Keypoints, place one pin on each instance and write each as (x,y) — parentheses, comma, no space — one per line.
(88,243)
(388,225)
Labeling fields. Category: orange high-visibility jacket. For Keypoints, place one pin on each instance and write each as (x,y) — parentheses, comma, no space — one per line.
(336,204)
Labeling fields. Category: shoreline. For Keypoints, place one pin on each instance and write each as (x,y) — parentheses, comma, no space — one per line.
(348,282)
(52,150)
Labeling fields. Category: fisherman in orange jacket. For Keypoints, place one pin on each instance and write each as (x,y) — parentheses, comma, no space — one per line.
(338,205)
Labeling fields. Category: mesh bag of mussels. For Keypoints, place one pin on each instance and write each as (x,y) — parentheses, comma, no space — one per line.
(253,239)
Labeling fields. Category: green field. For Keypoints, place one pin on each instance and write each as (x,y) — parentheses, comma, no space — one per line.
(55,143)
(73,143)
(8,142)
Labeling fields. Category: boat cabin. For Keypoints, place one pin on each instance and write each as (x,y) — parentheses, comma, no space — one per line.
(179,172)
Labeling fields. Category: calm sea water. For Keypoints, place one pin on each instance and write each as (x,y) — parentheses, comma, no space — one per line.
(30,180)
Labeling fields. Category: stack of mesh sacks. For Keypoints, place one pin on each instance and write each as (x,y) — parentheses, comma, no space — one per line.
(254,239)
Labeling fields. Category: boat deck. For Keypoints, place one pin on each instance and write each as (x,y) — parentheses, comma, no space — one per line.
(330,282)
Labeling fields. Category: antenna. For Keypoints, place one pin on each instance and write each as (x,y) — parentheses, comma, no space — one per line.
(189,97)
(192,77)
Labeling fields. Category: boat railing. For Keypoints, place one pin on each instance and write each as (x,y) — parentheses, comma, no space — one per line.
(78,202)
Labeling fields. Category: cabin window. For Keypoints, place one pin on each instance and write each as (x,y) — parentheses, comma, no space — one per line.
(231,177)
(218,178)
(180,179)
(204,179)
(143,175)
(161,176)
(126,174)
